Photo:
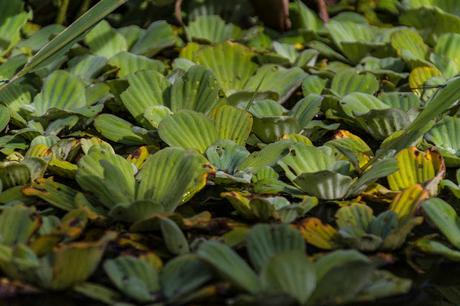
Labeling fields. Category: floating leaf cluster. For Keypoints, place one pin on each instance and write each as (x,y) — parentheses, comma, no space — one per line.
(146,161)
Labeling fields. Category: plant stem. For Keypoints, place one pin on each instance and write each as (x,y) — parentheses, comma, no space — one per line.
(62,14)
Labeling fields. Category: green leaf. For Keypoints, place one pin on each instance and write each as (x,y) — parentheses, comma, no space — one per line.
(197,90)
(112,180)
(290,272)
(4,117)
(135,277)
(210,28)
(229,265)
(265,241)
(277,79)
(103,40)
(13,19)
(305,158)
(73,263)
(146,89)
(117,130)
(61,91)
(438,104)
(128,63)
(231,64)
(13,174)
(232,123)
(64,40)
(188,129)
(158,36)
(348,81)
(174,238)
(445,135)
(169,175)
(17,224)
(182,275)
(328,185)
(445,218)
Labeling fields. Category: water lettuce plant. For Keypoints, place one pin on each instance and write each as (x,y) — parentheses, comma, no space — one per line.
(168,152)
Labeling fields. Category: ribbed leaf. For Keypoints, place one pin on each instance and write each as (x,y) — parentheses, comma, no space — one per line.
(135,277)
(434,247)
(188,129)
(4,117)
(17,224)
(265,241)
(419,76)
(157,37)
(117,130)
(87,66)
(445,218)
(378,170)
(355,219)
(210,28)
(271,129)
(353,39)
(13,174)
(231,64)
(174,238)
(128,63)
(73,263)
(146,88)
(61,91)
(54,193)
(233,123)
(230,265)
(103,40)
(406,203)
(358,103)
(446,137)
(348,81)
(328,185)
(439,103)
(110,177)
(277,79)
(409,45)
(381,123)
(292,273)
(306,159)
(183,275)
(167,175)
(323,236)
(402,100)
(415,167)
(197,90)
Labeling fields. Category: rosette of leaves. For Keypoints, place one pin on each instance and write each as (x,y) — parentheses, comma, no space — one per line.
(167,178)
(356,40)
(240,78)
(264,208)
(140,280)
(433,16)
(318,172)
(150,98)
(34,252)
(380,117)
(272,121)
(358,227)
(444,217)
(280,268)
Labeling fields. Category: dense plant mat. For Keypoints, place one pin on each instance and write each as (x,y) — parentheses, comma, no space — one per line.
(163,153)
